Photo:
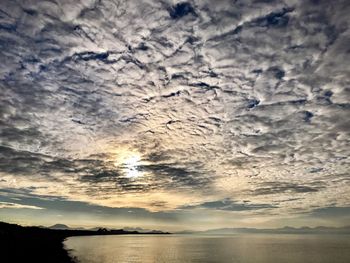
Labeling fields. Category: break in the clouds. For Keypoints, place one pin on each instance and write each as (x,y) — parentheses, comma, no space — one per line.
(189,108)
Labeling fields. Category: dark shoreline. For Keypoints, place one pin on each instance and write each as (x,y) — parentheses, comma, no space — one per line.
(43,245)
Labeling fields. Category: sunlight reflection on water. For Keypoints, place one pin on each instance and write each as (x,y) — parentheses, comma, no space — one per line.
(238,248)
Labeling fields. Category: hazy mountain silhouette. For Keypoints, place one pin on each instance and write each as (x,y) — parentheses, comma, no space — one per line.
(59,227)
(65,227)
(142,230)
(284,230)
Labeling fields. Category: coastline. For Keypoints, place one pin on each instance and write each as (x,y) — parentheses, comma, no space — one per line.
(32,244)
(42,245)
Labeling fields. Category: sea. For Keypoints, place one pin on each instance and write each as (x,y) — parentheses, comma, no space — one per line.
(240,248)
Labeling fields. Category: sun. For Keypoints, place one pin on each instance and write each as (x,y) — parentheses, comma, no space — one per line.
(131,166)
(129,162)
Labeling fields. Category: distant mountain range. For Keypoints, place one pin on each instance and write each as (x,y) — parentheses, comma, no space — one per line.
(142,230)
(65,227)
(225,231)
(127,229)
(284,230)
(59,227)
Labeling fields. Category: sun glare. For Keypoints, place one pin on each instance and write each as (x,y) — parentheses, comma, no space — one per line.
(131,166)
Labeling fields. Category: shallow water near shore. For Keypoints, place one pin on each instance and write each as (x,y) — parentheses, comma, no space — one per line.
(189,248)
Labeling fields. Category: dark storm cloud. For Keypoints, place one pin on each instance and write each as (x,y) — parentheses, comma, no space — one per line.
(229,205)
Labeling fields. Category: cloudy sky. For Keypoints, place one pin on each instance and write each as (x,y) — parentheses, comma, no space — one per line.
(175,115)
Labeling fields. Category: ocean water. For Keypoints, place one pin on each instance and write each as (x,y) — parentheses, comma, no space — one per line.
(248,248)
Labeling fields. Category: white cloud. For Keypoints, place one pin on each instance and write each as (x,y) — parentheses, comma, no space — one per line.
(17,206)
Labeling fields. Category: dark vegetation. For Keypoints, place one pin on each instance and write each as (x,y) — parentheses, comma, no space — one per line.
(39,245)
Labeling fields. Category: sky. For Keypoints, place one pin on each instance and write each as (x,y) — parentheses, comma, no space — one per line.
(175,115)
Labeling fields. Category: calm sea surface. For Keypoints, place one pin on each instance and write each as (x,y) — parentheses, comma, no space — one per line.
(187,248)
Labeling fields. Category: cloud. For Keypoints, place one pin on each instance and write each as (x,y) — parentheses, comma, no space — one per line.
(331,212)
(284,187)
(239,99)
(17,206)
(229,205)
(59,204)
(97,173)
